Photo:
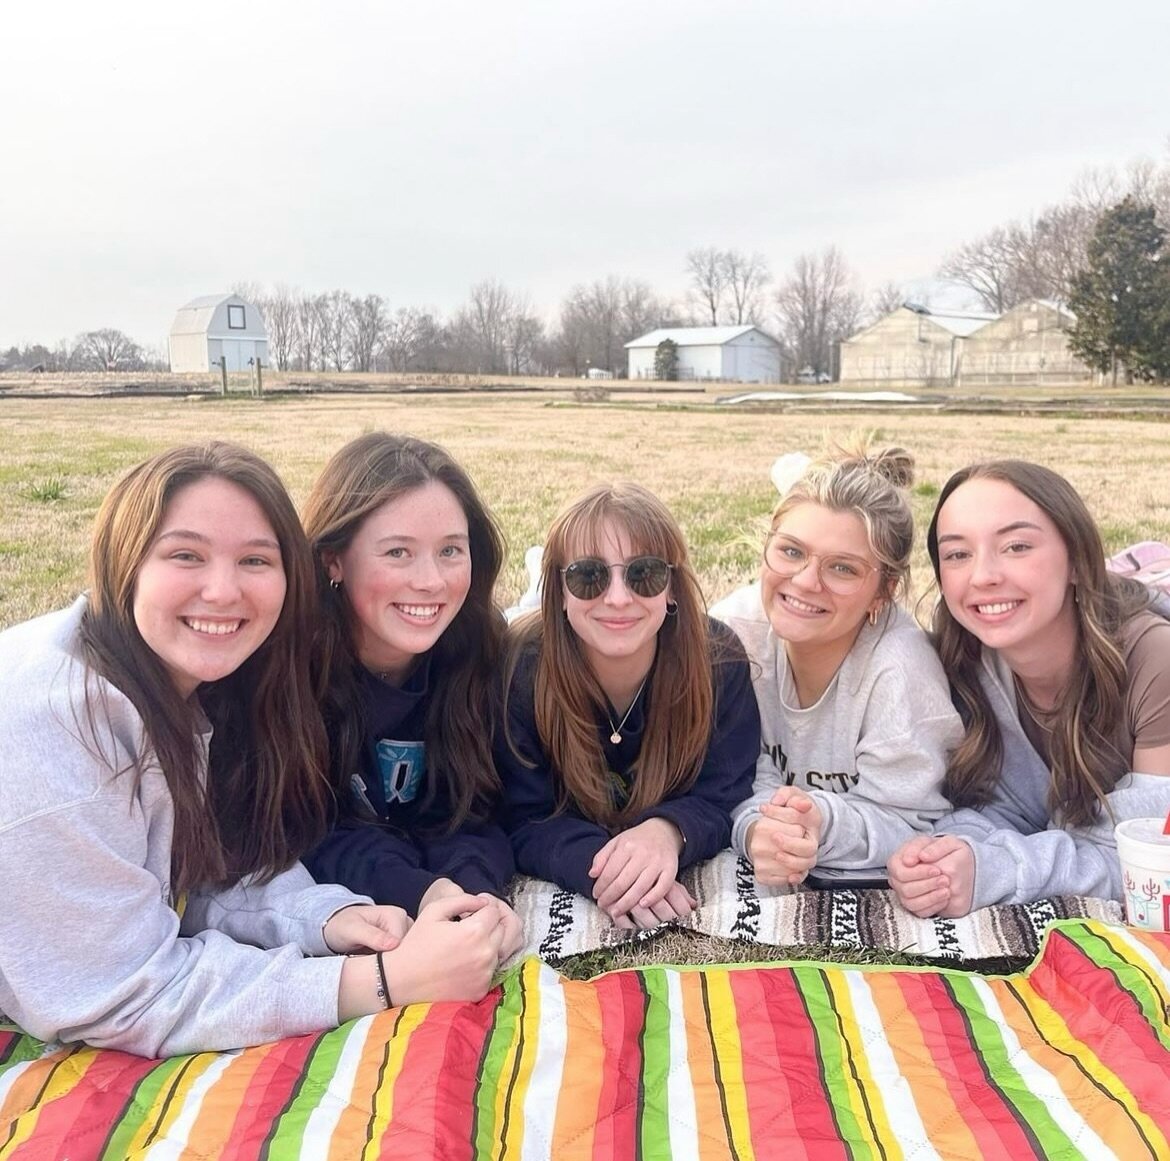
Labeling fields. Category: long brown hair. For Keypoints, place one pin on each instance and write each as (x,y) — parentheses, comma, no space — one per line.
(264,801)
(365,474)
(568,697)
(1085,760)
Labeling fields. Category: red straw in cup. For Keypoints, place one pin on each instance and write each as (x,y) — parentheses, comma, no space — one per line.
(1166,825)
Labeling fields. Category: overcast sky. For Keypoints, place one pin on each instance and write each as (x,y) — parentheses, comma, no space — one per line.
(151,152)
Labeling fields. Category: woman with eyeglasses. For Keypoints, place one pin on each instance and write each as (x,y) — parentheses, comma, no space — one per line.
(631,727)
(1063,673)
(407,664)
(857,719)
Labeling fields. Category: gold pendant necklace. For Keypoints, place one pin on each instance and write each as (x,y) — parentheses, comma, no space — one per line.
(616,736)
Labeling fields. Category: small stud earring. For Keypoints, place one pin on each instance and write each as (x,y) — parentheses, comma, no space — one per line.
(334,584)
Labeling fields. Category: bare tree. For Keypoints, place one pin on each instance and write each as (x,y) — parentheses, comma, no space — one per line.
(479,329)
(886,299)
(745,276)
(107,350)
(336,324)
(280,321)
(707,271)
(405,332)
(817,307)
(523,334)
(311,320)
(367,330)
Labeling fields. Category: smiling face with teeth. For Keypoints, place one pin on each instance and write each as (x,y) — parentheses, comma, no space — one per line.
(404,575)
(212,584)
(801,610)
(1005,573)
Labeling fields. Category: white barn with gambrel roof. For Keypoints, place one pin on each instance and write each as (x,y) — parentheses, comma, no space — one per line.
(215,327)
(740,354)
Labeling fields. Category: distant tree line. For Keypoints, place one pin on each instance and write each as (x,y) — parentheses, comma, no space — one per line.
(1100,252)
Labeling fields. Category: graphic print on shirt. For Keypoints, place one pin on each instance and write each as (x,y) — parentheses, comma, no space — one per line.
(402,766)
(834,783)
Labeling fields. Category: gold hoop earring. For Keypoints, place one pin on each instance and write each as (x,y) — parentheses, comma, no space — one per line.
(873,615)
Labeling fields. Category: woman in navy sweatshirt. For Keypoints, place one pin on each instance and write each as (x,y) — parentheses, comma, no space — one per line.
(631,726)
(407,660)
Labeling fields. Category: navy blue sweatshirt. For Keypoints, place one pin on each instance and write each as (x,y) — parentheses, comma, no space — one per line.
(561,847)
(387,844)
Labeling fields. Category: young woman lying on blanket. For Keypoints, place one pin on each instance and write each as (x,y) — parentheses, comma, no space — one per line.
(1063,674)
(632,730)
(163,768)
(407,663)
(857,719)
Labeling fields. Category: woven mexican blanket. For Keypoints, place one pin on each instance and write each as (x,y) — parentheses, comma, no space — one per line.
(731,905)
(1068,1059)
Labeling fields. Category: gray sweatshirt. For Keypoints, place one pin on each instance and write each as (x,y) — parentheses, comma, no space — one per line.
(1021,853)
(872,752)
(92,947)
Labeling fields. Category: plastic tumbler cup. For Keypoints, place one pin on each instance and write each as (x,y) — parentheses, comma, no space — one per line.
(1145,872)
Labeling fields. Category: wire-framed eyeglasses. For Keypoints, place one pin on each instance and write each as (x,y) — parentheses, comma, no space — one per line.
(839,573)
(589,577)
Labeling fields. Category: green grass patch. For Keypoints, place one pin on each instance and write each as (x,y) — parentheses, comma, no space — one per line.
(46,491)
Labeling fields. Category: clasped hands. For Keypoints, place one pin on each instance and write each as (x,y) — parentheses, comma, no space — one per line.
(636,876)
(432,957)
(934,875)
(782,843)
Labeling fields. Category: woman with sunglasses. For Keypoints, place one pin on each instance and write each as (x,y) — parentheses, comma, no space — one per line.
(857,718)
(407,660)
(632,730)
(1063,673)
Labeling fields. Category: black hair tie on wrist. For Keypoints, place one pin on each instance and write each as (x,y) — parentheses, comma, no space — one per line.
(383,986)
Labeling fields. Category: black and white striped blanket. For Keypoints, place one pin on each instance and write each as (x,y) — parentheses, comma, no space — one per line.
(731,906)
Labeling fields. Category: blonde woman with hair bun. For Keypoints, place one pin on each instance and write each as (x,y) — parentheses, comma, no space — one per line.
(855,712)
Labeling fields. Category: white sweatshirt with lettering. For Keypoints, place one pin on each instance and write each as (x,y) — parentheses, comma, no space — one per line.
(872,752)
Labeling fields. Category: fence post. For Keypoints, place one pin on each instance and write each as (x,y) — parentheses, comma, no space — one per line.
(259,378)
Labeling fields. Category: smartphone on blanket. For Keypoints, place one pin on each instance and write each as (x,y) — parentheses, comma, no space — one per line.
(838,879)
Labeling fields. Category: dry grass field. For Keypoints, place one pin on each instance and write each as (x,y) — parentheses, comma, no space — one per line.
(529,453)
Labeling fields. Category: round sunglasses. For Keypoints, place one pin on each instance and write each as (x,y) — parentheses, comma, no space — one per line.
(589,577)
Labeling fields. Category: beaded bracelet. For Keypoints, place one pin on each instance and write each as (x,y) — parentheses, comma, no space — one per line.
(383,986)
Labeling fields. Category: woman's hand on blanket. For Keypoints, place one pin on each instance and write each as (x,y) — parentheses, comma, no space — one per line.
(365,927)
(782,844)
(440,959)
(677,903)
(637,867)
(934,875)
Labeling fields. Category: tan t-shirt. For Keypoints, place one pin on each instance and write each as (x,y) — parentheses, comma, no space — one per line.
(1145,723)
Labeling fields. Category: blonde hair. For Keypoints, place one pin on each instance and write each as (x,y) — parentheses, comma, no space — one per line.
(871,484)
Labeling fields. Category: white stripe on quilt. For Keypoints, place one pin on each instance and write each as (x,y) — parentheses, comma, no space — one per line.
(179,1135)
(680,1092)
(337,1095)
(892,1085)
(1141,951)
(1039,1080)
(548,1067)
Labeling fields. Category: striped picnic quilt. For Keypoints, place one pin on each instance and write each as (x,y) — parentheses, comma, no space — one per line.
(1068,1059)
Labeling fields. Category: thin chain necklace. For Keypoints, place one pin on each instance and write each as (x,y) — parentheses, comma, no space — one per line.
(616,736)
(1043,718)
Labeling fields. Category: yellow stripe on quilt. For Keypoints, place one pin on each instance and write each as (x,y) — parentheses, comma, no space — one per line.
(175,1137)
(410,1018)
(891,1098)
(159,1119)
(64,1076)
(857,1081)
(1056,1031)
(1038,1079)
(728,1053)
